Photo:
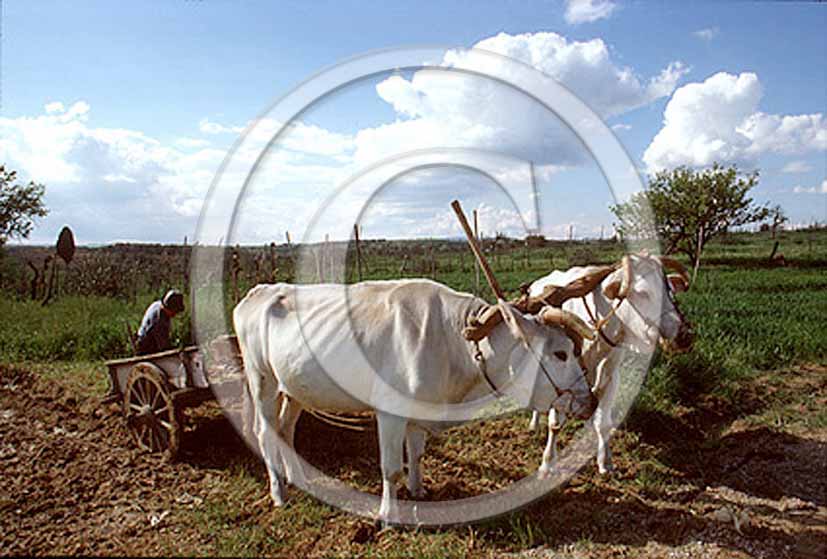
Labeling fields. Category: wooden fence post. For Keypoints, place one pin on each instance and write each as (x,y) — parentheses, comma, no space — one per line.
(291,254)
(273,260)
(235,268)
(525,256)
(476,263)
(358,252)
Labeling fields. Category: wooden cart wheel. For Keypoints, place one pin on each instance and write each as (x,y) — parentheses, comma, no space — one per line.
(151,417)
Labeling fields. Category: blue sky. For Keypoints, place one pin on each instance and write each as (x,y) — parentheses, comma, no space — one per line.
(125,110)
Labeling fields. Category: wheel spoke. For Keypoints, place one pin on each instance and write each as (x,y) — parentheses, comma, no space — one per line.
(160,413)
(155,398)
(143,437)
(156,442)
(167,425)
(135,407)
(137,392)
(139,384)
(151,392)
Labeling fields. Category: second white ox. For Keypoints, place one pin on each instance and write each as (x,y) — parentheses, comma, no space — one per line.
(631,308)
(411,332)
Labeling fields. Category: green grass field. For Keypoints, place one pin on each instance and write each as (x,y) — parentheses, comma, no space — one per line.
(748,315)
(754,324)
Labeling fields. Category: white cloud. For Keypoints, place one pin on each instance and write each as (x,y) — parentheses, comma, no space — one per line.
(621,127)
(587,11)
(719,120)
(189,143)
(812,189)
(585,67)
(54,107)
(707,34)
(455,109)
(111,183)
(120,183)
(796,167)
(207,126)
(443,223)
(118,178)
(300,137)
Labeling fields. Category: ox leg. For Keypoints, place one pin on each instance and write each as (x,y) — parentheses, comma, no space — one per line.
(266,399)
(535,421)
(602,420)
(555,423)
(415,445)
(248,415)
(288,418)
(391,440)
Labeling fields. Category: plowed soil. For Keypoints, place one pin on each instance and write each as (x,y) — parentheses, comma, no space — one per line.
(73,483)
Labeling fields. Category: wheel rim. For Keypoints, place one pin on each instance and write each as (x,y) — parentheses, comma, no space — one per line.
(150,411)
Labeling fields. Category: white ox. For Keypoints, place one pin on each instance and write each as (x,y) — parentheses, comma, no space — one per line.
(631,308)
(411,332)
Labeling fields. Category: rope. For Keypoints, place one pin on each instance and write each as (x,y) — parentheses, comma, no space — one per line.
(600,324)
(480,359)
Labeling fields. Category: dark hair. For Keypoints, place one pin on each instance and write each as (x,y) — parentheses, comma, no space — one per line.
(173,300)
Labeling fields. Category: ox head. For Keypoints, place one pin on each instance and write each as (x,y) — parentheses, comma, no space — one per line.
(652,313)
(540,353)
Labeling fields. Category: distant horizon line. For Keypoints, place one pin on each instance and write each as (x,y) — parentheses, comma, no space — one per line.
(753,228)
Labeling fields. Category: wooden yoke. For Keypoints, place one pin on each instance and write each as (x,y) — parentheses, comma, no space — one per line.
(556,295)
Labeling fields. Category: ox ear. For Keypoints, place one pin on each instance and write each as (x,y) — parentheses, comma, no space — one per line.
(612,289)
(678,283)
(515,322)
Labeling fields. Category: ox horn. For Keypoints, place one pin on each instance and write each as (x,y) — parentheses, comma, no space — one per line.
(675,266)
(626,283)
(572,324)
(489,318)
(619,289)
(480,326)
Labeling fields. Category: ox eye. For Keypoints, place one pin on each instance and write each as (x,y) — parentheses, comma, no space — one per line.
(561,355)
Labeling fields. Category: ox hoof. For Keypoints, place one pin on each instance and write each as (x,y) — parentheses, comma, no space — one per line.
(544,471)
(605,469)
(278,500)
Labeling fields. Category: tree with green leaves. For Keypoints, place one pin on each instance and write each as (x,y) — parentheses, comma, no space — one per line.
(778,217)
(19,204)
(685,208)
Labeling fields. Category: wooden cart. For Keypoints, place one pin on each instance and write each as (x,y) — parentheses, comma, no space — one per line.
(155,389)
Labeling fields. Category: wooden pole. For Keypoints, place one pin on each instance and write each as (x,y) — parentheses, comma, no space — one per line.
(358,252)
(475,248)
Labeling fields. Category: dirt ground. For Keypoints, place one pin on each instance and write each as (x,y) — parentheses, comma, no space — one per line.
(751,485)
